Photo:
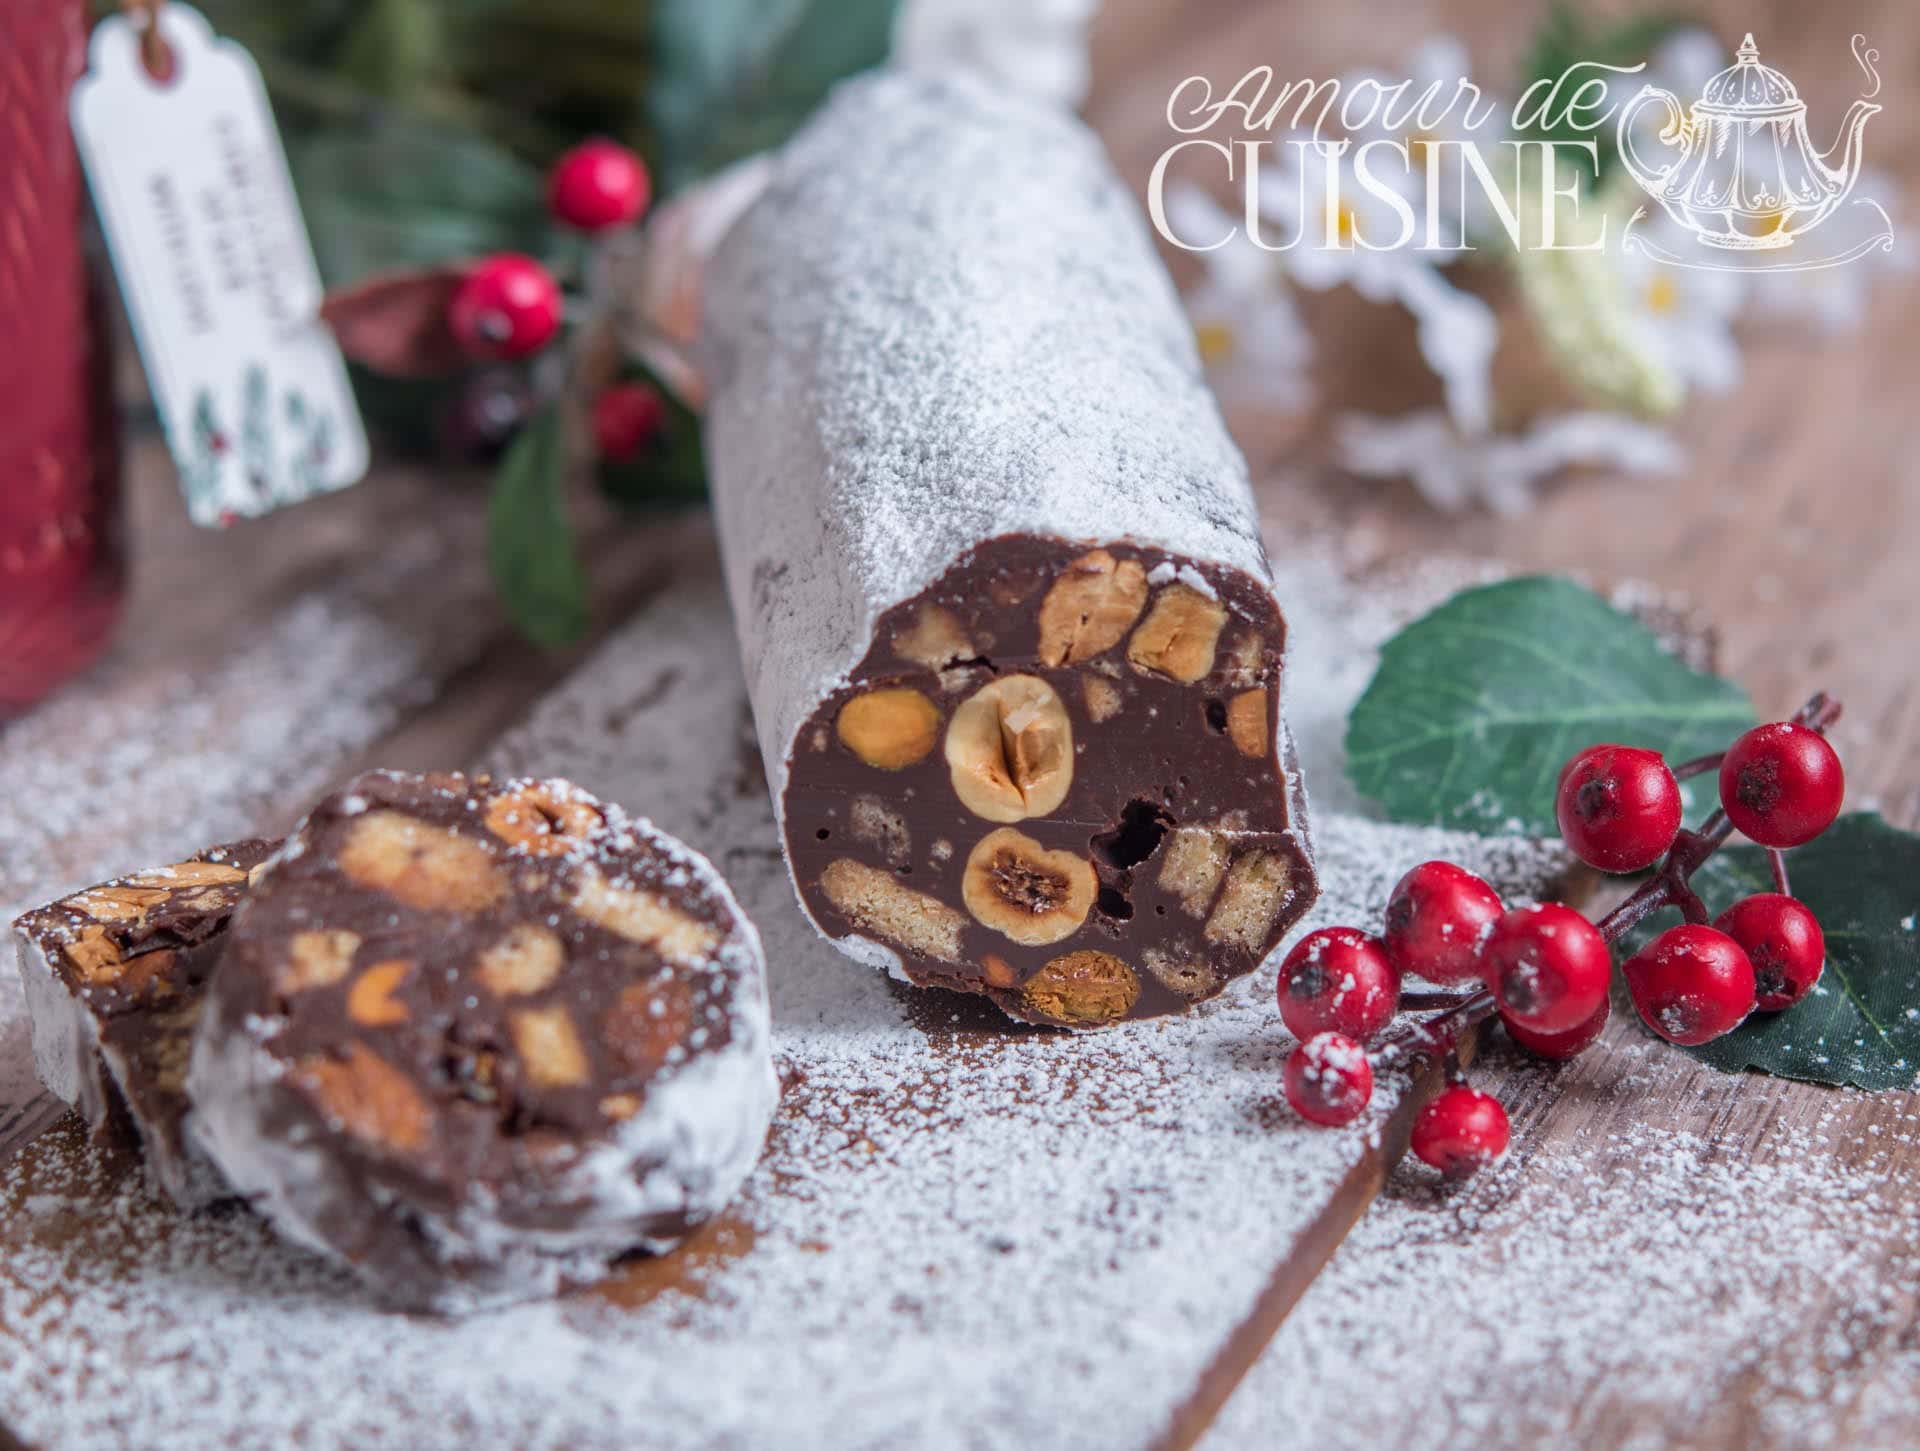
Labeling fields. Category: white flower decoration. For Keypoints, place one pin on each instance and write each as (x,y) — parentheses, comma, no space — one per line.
(1255,347)
(1684,315)
(1454,472)
(1037,48)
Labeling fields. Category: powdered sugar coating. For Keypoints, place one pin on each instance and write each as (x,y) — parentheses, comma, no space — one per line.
(905,363)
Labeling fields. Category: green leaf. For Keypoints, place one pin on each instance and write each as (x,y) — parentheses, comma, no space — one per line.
(1476,706)
(529,543)
(1569,37)
(400,194)
(738,76)
(1861,1023)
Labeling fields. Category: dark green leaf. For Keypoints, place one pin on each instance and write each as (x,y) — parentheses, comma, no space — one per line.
(738,76)
(529,543)
(1861,1023)
(1569,36)
(404,195)
(1476,706)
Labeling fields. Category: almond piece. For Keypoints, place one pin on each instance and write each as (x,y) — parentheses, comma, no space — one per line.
(318,959)
(526,960)
(1084,989)
(1024,891)
(116,904)
(541,820)
(367,1097)
(645,918)
(370,1001)
(549,1047)
(889,729)
(428,868)
(1179,635)
(189,874)
(997,972)
(1010,749)
(1247,722)
(620,1106)
(876,903)
(1090,607)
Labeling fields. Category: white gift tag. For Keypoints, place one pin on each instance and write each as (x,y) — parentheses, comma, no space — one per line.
(192,188)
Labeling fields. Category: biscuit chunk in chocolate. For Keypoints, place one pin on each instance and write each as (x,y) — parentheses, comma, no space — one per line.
(474,1038)
(114,980)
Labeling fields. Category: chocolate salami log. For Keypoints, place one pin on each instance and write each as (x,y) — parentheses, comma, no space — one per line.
(1014,654)
(115,977)
(475,1038)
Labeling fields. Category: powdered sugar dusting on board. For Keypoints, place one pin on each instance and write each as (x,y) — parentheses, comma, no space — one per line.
(960,1235)
(1737,1279)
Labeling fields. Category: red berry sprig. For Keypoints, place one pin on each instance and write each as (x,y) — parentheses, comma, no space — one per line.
(599,185)
(1546,969)
(507,306)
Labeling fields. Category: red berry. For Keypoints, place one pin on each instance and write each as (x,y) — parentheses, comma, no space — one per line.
(1548,967)
(1619,807)
(507,306)
(1691,984)
(627,417)
(1437,919)
(1561,1046)
(1783,941)
(1781,784)
(1460,1131)
(1329,1079)
(1338,980)
(597,185)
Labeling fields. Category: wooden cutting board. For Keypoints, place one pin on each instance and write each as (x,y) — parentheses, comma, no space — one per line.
(961,1234)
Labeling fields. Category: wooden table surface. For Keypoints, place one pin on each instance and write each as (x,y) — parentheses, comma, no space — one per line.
(1795,527)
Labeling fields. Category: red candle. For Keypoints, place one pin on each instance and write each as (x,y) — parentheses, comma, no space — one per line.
(60,560)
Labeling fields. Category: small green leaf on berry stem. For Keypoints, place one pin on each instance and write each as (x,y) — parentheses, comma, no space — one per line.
(529,543)
(1477,705)
(1860,1025)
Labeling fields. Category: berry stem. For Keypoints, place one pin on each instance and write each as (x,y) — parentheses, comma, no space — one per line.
(1431,1039)
(1777,859)
(1427,1002)
(1698,766)
(1669,884)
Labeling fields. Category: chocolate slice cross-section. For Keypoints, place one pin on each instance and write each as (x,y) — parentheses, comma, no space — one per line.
(1008,625)
(114,978)
(475,1038)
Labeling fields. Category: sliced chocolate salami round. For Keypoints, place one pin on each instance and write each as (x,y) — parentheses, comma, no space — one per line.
(476,1037)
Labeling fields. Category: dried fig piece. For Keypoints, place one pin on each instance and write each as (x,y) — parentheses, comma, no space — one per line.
(1084,989)
(1025,892)
(889,729)
(1179,635)
(646,1023)
(1010,749)
(1090,607)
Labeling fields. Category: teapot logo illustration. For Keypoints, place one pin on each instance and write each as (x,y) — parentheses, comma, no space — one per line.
(1740,172)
